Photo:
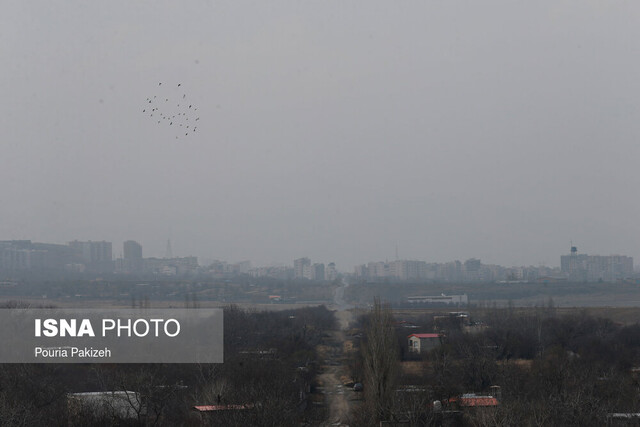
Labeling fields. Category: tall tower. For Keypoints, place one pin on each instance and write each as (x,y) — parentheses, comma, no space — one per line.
(168,254)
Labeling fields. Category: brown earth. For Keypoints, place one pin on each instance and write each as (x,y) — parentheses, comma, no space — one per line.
(334,380)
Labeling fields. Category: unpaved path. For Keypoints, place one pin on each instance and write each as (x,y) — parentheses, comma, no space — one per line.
(335,374)
(331,383)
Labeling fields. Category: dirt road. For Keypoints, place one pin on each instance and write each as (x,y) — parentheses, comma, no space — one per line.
(335,375)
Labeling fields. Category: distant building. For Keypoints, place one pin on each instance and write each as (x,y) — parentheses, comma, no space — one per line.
(179,266)
(299,266)
(408,270)
(331,273)
(361,272)
(318,272)
(96,256)
(223,269)
(277,272)
(440,299)
(592,268)
(451,271)
(421,343)
(401,270)
(24,255)
(133,260)
(472,269)
(474,402)
(377,269)
(242,267)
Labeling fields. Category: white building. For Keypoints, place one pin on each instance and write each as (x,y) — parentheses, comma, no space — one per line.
(420,343)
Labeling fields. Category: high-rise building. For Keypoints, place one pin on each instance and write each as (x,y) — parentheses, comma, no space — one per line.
(132,256)
(591,268)
(472,269)
(408,269)
(299,267)
(361,272)
(331,273)
(242,267)
(96,256)
(318,272)
(377,269)
(27,255)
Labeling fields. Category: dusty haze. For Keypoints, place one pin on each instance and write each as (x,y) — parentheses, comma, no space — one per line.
(333,130)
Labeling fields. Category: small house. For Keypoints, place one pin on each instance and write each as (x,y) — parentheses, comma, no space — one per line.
(421,343)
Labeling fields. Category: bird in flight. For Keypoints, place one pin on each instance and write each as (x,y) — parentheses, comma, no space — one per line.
(172,111)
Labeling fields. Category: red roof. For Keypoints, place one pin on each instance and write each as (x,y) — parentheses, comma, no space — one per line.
(211,408)
(479,401)
(424,335)
(475,401)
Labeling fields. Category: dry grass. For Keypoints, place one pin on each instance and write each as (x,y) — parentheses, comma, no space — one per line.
(623,315)
(412,368)
(521,363)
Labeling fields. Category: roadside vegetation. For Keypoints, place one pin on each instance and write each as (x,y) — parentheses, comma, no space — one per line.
(270,365)
(542,368)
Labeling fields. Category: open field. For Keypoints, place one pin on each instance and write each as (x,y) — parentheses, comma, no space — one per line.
(623,315)
(626,314)
(108,303)
(618,294)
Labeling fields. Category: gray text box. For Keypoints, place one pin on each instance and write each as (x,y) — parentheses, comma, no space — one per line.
(111,336)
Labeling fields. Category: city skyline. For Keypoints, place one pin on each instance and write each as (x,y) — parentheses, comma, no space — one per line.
(407,213)
(131,253)
(336,132)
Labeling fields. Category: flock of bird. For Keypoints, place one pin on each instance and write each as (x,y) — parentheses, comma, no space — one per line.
(173,110)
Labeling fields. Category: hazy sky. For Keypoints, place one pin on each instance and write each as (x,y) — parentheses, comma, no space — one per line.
(500,130)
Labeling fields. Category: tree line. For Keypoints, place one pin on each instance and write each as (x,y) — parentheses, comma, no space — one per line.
(551,370)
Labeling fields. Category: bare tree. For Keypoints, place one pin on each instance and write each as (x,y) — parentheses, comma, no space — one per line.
(380,360)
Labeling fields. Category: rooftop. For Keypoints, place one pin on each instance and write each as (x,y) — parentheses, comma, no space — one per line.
(424,335)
